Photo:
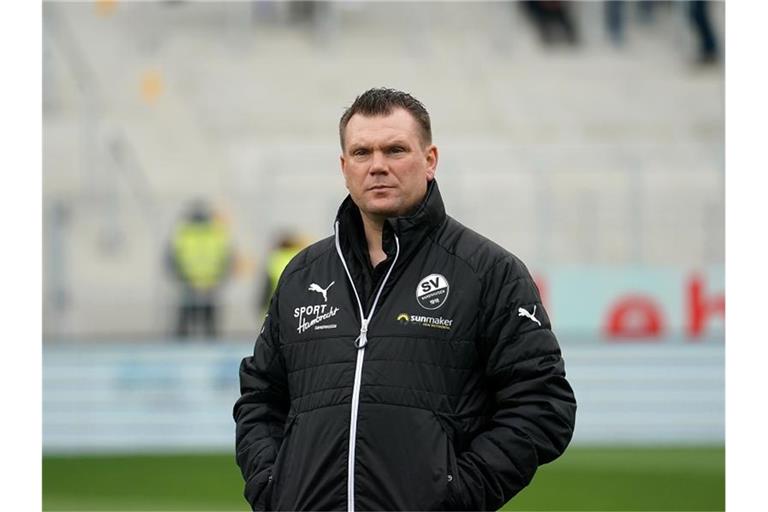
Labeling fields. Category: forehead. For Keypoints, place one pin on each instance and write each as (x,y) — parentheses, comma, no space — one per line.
(399,124)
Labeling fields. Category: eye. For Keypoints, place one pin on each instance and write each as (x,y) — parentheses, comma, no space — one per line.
(359,152)
(396,149)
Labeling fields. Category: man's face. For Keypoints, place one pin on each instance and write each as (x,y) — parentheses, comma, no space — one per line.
(385,163)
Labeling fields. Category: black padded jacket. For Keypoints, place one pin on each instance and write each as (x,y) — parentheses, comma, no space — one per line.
(432,382)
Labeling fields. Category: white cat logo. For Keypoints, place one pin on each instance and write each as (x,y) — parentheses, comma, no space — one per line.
(316,288)
(524,312)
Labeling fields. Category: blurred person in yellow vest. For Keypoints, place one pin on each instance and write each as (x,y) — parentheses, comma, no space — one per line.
(288,245)
(201,258)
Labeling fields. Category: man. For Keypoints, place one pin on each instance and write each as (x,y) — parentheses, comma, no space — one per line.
(405,363)
(287,247)
(200,257)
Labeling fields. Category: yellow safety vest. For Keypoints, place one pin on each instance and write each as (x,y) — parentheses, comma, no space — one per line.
(202,253)
(278,260)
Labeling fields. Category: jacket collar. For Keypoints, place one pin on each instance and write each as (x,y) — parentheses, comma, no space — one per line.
(410,230)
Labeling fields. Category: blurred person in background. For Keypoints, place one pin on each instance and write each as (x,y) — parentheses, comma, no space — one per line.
(288,246)
(553,21)
(697,13)
(614,20)
(708,52)
(200,258)
(407,362)
(616,13)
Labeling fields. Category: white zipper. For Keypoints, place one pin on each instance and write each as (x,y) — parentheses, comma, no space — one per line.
(360,343)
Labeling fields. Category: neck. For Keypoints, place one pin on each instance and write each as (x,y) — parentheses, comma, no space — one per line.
(374,227)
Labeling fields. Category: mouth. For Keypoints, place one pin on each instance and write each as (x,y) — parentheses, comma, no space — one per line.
(379,187)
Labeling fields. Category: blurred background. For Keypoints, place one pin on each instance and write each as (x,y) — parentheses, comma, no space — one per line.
(191,148)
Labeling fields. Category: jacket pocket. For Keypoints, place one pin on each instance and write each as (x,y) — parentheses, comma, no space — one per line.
(450,474)
(280,462)
(258,489)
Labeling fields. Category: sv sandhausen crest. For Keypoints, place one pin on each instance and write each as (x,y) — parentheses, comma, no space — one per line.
(432,291)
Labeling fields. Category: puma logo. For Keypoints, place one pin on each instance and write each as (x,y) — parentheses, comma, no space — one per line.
(524,312)
(316,288)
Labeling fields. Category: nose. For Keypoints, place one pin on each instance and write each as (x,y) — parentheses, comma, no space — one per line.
(378,163)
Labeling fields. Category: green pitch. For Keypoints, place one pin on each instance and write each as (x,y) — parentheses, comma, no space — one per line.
(583,479)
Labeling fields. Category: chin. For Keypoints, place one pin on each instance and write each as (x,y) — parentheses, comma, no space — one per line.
(383,208)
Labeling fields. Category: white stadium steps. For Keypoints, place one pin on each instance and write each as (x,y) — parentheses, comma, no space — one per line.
(591,155)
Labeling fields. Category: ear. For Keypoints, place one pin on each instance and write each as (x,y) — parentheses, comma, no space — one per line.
(432,157)
(343,164)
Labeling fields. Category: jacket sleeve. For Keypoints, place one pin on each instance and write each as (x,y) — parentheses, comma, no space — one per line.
(260,412)
(534,407)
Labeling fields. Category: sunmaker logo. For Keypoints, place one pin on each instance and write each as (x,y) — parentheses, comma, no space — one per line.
(425,321)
